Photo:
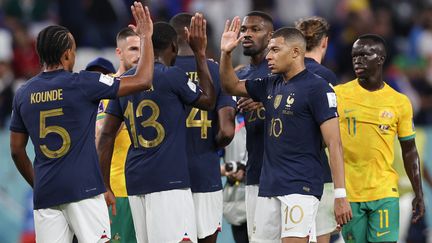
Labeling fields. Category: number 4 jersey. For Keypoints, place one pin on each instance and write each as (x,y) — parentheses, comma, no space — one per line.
(202,127)
(155,120)
(58,111)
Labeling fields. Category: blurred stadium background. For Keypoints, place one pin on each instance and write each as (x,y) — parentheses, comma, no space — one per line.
(406,25)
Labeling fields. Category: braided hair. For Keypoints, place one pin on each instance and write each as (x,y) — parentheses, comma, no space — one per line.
(314,29)
(51,43)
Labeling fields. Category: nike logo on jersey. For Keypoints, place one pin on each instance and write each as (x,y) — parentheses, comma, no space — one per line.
(269,97)
(379,234)
(348,110)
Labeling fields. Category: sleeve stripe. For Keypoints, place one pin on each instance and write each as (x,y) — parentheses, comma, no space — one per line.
(100,116)
(407,138)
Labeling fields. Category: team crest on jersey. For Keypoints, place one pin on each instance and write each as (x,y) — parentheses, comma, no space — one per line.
(386,115)
(290,100)
(277,101)
(384,128)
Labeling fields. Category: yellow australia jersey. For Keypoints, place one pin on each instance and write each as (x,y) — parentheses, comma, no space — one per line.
(369,123)
(121,147)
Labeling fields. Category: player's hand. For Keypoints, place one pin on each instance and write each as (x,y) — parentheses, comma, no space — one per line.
(196,34)
(418,208)
(144,23)
(247,104)
(236,176)
(110,201)
(230,37)
(342,210)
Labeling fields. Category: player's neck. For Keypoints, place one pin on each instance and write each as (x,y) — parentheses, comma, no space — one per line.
(295,69)
(122,69)
(315,54)
(50,68)
(185,50)
(258,58)
(372,83)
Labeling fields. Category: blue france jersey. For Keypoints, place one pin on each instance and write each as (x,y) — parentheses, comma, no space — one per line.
(254,121)
(58,111)
(202,127)
(293,143)
(157,159)
(330,77)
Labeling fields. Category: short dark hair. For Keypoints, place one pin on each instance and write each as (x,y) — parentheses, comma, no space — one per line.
(263,15)
(179,21)
(314,29)
(163,35)
(290,33)
(377,39)
(125,33)
(51,43)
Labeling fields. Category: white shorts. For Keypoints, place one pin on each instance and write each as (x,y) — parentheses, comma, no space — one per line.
(251,200)
(325,219)
(208,212)
(88,219)
(285,216)
(166,216)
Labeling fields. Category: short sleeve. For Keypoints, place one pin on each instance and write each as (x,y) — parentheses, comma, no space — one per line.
(187,90)
(225,100)
(114,108)
(17,123)
(257,88)
(323,102)
(97,86)
(405,127)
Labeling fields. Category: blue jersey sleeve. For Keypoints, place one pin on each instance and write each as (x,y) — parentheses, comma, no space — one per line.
(114,108)
(225,100)
(97,86)
(323,103)
(17,123)
(257,88)
(187,90)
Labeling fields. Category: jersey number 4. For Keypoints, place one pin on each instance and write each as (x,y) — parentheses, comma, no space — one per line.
(203,122)
(44,130)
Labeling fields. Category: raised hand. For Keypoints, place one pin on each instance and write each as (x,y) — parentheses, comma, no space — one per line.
(230,37)
(196,34)
(144,23)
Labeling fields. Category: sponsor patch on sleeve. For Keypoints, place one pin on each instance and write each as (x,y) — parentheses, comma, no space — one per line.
(101,107)
(192,86)
(106,79)
(331,98)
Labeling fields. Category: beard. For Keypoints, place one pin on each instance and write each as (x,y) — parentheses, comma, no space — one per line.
(250,51)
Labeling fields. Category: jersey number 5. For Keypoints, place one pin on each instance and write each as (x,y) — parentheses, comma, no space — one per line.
(150,122)
(45,130)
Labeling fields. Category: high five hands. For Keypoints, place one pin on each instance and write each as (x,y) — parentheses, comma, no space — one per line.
(196,34)
(144,23)
(230,37)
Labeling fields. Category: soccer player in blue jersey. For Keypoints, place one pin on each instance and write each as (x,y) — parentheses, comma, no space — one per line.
(157,176)
(300,113)
(315,29)
(207,131)
(57,110)
(256,30)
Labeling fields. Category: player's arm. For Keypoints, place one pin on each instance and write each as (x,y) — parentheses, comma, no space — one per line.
(247,104)
(105,147)
(412,167)
(229,41)
(331,135)
(18,143)
(142,79)
(197,39)
(226,123)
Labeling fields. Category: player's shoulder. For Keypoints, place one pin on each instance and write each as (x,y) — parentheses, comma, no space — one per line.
(396,96)
(346,87)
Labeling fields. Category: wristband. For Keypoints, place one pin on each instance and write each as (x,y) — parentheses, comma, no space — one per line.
(340,193)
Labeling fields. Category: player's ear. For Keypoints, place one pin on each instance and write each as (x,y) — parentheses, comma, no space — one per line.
(324,42)
(174,47)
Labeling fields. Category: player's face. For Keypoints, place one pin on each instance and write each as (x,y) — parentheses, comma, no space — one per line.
(256,33)
(279,56)
(129,51)
(366,58)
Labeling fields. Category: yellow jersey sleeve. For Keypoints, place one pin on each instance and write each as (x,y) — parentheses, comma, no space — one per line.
(405,128)
(103,104)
